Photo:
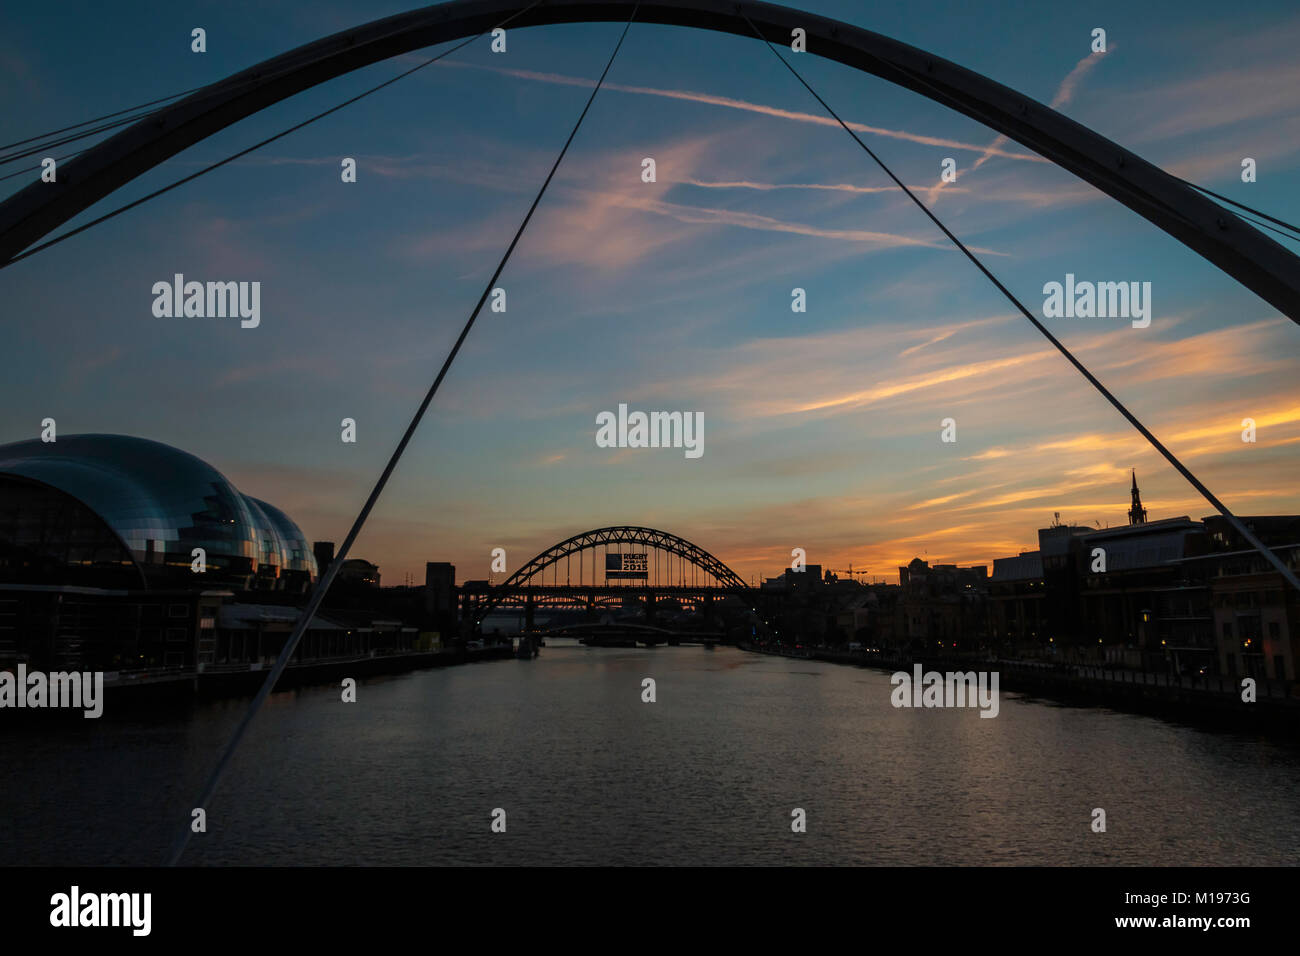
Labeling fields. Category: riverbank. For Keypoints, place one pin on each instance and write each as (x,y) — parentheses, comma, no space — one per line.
(1213,701)
(124,690)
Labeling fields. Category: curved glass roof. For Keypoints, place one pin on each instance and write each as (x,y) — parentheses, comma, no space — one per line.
(297,552)
(163,502)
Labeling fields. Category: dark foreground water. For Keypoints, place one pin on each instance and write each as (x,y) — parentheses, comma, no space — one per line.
(587,773)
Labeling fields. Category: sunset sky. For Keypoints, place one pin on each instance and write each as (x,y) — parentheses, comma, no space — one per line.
(821,430)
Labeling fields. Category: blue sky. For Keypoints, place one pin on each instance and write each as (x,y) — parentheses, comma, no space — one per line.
(821,428)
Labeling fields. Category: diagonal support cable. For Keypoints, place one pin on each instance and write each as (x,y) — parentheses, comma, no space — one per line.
(32,169)
(99,119)
(1263,225)
(258,79)
(323,585)
(1182,469)
(72,138)
(1281,222)
(258,145)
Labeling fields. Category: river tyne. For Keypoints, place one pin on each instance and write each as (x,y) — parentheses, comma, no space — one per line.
(586,772)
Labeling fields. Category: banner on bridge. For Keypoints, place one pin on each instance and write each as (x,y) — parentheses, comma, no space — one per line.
(624,567)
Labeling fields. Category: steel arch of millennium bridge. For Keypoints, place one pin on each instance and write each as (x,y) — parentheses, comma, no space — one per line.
(728,580)
(1226,240)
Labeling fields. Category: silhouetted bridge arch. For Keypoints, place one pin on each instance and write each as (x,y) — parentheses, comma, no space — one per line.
(1226,240)
(710,577)
(628,534)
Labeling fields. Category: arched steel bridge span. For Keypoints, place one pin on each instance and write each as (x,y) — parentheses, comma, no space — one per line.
(628,534)
(1226,240)
(725,578)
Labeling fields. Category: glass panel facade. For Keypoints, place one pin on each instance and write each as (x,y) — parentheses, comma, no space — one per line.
(163,503)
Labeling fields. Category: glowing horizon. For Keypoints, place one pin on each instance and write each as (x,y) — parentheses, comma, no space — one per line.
(822,429)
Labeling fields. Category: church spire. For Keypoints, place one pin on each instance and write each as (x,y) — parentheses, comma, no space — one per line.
(1136,514)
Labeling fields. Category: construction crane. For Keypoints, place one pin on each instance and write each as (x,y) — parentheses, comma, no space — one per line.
(849,571)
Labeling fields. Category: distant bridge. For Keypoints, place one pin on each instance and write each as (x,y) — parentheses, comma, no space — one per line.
(630,633)
(643,565)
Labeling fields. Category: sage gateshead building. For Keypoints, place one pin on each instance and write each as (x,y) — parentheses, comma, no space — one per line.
(123,553)
(111,509)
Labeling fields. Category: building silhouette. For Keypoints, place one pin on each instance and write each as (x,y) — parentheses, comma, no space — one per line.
(1136,513)
(127,555)
(1176,595)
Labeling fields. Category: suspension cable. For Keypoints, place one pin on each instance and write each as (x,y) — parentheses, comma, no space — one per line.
(223,86)
(98,119)
(257,79)
(1263,225)
(1273,219)
(905,79)
(323,585)
(270,139)
(46,147)
(1196,483)
(57,160)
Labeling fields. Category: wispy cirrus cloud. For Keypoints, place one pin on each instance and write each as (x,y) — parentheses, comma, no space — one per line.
(747,106)
(1064,94)
(592,225)
(825,187)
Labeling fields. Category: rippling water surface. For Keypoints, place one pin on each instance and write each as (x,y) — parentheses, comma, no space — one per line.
(587,773)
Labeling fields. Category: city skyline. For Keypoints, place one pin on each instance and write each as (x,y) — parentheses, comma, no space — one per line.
(822,428)
(861,573)
(682,433)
